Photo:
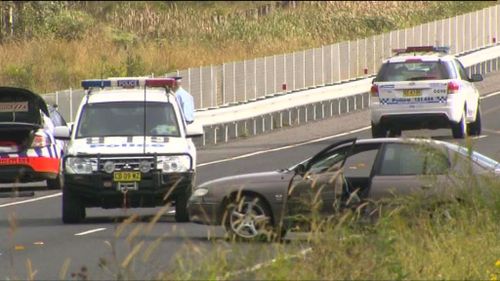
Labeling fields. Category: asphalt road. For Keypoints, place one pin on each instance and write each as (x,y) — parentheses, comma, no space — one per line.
(34,240)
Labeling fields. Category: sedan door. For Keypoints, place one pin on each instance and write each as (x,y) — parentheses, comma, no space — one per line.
(409,169)
(329,179)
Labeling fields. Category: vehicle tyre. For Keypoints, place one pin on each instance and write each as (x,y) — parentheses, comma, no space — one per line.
(459,130)
(249,219)
(181,211)
(395,133)
(73,210)
(474,128)
(378,131)
(56,183)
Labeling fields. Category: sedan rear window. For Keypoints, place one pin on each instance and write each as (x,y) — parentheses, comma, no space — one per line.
(413,71)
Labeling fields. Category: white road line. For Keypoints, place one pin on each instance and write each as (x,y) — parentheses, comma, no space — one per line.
(30,200)
(490,95)
(90,231)
(284,147)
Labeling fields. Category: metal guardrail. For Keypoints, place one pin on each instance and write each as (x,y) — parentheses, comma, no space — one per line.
(311,105)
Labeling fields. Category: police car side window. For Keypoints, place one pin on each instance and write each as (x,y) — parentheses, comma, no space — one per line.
(461,70)
(57,118)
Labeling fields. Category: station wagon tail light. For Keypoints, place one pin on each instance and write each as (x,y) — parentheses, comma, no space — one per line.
(453,87)
(374,90)
(39,141)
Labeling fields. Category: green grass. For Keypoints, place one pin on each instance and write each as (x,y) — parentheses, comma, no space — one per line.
(60,43)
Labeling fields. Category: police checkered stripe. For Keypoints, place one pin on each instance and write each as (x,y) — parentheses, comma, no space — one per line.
(384,101)
(442,99)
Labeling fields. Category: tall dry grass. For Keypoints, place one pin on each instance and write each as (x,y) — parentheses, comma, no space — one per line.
(146,39)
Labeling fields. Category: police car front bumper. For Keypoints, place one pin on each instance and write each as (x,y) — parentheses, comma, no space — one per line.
(154,189)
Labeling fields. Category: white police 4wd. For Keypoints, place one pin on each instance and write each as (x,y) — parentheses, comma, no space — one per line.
(129,147)
(423,87)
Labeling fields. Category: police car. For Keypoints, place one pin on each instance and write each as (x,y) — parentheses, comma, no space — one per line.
(424,87)
(28,150)
(129,147)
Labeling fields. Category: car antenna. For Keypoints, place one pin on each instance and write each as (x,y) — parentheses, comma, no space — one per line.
(144,124)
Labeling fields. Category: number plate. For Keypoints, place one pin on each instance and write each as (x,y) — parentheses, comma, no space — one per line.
(126,176)
(412,92)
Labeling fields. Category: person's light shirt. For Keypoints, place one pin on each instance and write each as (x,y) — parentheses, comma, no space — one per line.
(186,102)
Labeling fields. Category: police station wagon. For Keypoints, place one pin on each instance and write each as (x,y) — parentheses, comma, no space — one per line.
(424,87)
(129,147)
(28,150)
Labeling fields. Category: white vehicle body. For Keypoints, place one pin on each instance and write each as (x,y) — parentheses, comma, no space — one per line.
(128,148)
(424,90)
(122,144)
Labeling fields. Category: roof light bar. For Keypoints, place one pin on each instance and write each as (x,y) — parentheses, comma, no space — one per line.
(128,82)
(414,49)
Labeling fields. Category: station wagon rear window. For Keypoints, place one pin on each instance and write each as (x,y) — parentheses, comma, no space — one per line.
(414,70)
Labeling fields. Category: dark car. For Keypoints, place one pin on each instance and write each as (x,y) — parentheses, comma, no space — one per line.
(28,150)
(372,169)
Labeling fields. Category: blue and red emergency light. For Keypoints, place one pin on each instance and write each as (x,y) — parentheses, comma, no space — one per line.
(414,49)
(128,82)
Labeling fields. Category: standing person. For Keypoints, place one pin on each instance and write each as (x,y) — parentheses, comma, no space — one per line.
(185,100)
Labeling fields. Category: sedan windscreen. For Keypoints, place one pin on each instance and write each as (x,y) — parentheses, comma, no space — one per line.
(128,119)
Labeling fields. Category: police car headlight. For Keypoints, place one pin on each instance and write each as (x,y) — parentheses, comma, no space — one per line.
(144,167)
(109,167)
(80,165)
(173,164)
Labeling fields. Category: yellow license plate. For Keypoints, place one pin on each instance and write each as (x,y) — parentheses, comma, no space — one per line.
(126,176)
(412,93)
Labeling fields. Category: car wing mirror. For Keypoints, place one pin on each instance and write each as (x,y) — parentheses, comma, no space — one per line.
(476,77)
(300,169)
(194,130)
(62,132)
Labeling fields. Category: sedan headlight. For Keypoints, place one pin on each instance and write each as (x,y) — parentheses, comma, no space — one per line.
(173,164)
(80,165)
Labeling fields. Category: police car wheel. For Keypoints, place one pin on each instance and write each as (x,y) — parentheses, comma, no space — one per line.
(378,131)
(459,130)
(56,183)
(73,210)
(474,128)
(181,212)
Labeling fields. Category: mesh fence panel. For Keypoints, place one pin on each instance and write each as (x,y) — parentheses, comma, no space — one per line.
(344,61)
(213,86)
(239,83)
(290,72)
(362,58)
(270,78)
(318,67)
(251,79)
(353,59)
(261,77)
(337,62)
(370,54)
(309,67)
(379,52)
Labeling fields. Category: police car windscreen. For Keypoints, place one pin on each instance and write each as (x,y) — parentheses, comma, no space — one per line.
(127,119)
(413,71)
